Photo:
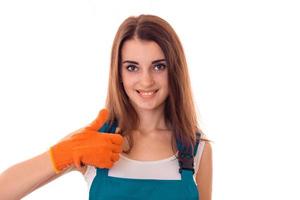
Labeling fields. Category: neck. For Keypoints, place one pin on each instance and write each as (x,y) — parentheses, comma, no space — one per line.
(151,120)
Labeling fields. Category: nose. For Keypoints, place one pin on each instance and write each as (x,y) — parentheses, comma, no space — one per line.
(146,79)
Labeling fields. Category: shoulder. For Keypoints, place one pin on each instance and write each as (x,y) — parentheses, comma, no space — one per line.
(203,136)
(205,153)
(204,172)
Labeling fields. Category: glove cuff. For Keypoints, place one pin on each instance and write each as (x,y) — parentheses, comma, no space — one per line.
(57,171)
(61,156)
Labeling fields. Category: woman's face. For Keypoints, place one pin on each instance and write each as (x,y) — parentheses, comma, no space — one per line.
(144,74)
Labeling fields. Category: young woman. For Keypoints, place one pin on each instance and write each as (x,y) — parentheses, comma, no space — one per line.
(146,143)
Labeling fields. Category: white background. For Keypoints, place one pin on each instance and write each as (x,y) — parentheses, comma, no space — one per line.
(243,58)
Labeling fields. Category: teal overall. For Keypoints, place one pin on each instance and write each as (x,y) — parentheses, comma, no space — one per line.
(105,187)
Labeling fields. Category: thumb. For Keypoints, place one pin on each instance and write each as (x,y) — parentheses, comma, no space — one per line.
(99,121)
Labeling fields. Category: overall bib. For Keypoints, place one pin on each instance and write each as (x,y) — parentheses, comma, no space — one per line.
(105,187)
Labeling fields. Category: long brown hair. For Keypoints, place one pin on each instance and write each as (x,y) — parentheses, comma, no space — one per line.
(179,113)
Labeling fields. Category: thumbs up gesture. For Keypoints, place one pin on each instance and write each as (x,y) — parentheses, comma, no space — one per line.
(88,146)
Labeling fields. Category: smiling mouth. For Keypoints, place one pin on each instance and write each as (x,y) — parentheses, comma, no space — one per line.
(147,93)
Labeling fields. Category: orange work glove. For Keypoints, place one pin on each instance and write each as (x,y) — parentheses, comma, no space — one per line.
(88,146)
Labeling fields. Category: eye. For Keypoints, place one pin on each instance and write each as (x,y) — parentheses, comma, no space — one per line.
(160,66)
(131,68)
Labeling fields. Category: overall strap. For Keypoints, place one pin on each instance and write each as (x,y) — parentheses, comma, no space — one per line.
(186,155)
(106,128)
(198,135)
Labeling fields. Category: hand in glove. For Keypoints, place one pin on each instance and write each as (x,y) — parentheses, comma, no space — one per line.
(88,146)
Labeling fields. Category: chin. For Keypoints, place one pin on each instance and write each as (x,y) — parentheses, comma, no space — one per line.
(148,107)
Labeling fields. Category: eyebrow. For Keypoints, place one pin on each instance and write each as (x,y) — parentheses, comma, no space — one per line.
(134,62)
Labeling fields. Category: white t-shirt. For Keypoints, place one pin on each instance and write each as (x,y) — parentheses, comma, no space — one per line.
(165,169)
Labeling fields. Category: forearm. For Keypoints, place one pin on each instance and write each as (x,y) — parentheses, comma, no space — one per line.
(22,178)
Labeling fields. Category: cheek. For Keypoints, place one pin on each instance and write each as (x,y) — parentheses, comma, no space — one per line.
(128,81)
(164,81)
(124,78)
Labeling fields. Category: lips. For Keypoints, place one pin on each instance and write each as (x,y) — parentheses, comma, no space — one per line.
(148,93)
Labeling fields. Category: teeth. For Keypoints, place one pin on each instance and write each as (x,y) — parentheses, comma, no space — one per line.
(147,93)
